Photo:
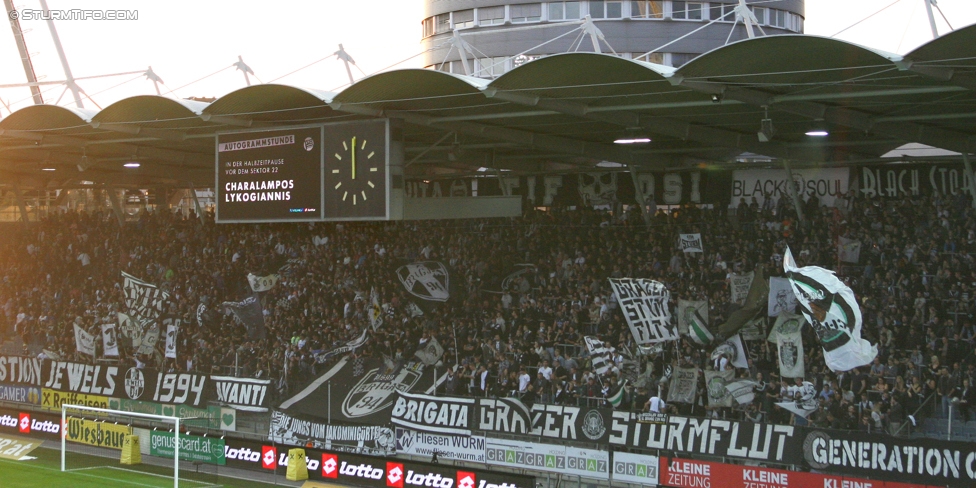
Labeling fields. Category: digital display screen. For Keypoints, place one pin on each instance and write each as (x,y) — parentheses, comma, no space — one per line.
(269,176)
(356,171)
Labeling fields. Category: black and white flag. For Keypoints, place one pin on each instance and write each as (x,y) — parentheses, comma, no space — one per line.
(645,305)
(684,385)
(110,342)
(262,283)
(443,415)
(693,320)
(428,280)
(781,297)
(171,330)
(201,314)
(311,432)
(350,346)
(739,286)
(375,310)
(430,352)
(831,309)
(691,243)
(248,312)
(715,385)
(84,342)
(599,355)
(142,299)
(848,250)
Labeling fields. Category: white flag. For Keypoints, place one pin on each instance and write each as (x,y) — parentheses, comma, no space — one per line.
(789,348)
(171,331)
(781,297)
(732,349)
(831,309)
(84,342)
(744,391)
(691,243)
(110,341)
(739,286)
(684,385)
(803,399)
(262,283)
(646,307)
(430,353)
(848,250)
(715,383)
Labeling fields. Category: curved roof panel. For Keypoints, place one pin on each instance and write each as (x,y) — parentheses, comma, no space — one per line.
(157,110)
(263,101)
(792,58)
(43,117)
(952,46)
(572,74)
(403,89)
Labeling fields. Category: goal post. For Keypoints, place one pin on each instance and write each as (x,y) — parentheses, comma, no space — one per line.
(108,415)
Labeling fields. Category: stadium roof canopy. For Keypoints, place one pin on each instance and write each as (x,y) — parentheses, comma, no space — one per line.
(555,114)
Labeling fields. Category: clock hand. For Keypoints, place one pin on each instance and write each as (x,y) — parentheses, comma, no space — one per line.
(354,157)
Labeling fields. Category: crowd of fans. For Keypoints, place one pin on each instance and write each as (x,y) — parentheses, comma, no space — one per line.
(914,281)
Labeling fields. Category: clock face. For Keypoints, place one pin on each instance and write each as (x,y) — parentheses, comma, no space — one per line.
(355,171)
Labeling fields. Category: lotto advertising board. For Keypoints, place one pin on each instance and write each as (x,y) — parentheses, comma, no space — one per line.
(367,471)
(31,424)
(686,473)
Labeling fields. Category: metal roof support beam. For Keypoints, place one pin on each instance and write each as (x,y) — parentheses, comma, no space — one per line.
(116,206)
(792,188)
(227,120)
(177,136)
(846,117)
(20,204)
(196,203)
(553,143)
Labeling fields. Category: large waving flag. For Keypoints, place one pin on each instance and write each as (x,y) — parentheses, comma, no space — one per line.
(830,308)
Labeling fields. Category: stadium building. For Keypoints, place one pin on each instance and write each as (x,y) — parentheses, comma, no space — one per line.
(498,36)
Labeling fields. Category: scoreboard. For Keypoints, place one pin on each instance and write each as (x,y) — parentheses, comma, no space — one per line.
(304,174)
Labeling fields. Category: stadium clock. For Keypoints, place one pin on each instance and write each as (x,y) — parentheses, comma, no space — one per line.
(355,170)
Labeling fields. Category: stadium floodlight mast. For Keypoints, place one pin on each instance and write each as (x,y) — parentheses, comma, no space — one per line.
(83,408)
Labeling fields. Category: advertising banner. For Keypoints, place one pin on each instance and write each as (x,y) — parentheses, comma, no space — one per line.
(686,473)
(212,416)
(824,183)
(209,450)
(635,468)
(53,399)
(586,463)
(31,424)
(20,394)
(16,448)
(469,448)
(96,433)
(367,471)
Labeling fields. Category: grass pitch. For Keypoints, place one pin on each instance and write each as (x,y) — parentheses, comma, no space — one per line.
(99,472)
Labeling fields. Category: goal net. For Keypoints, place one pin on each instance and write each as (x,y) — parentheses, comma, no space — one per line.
(137,449)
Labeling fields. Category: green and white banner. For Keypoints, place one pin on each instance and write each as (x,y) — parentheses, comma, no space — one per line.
(212,417)
(192,448)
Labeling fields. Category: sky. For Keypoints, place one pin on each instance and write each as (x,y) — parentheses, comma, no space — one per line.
(185,41)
